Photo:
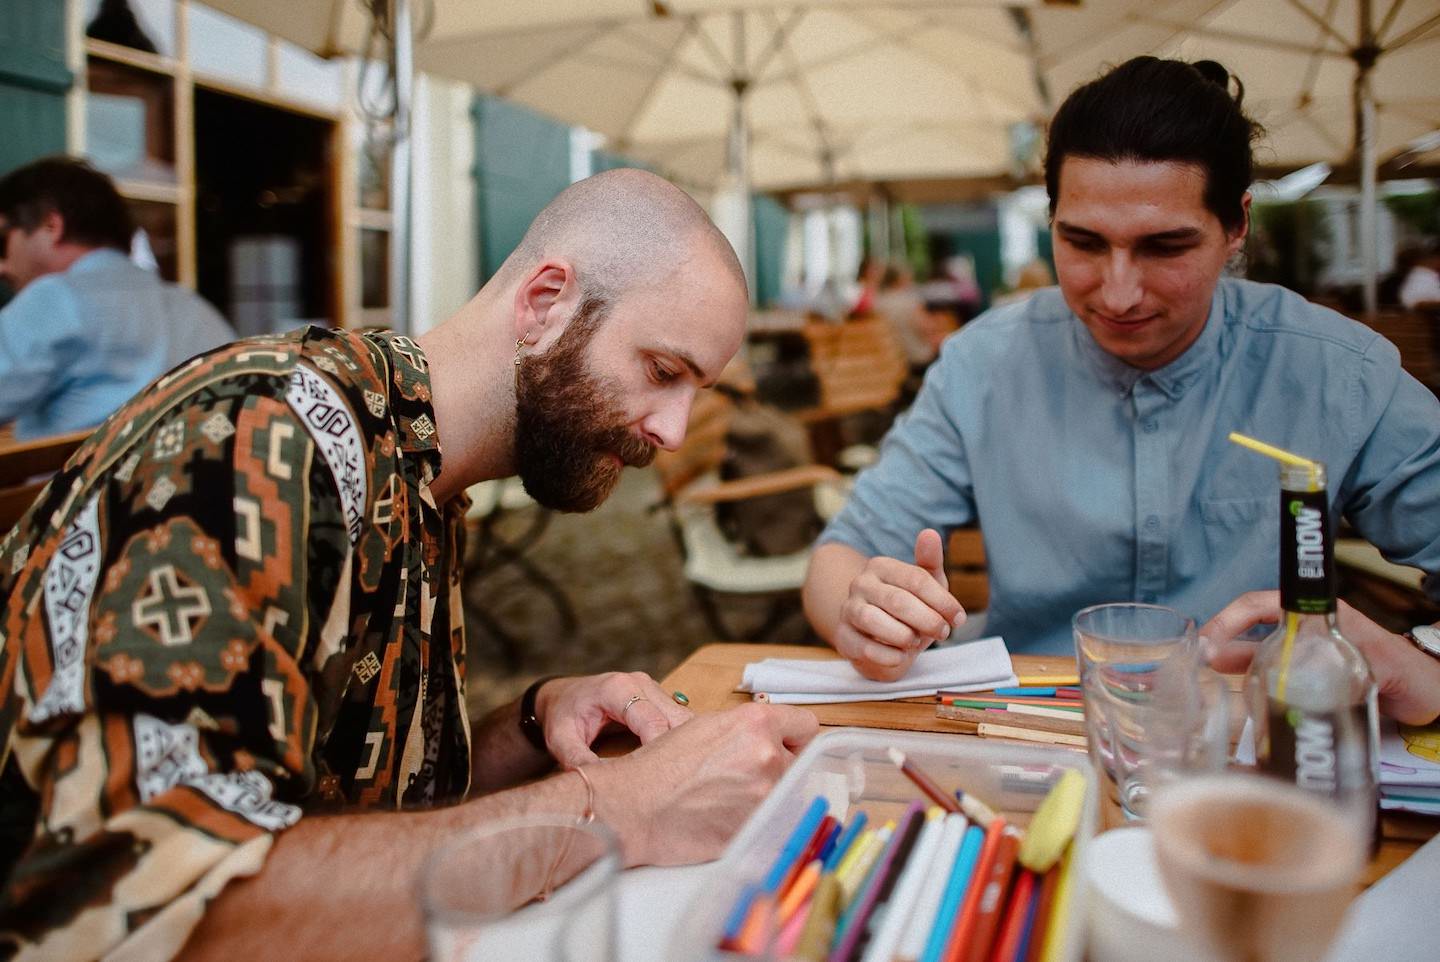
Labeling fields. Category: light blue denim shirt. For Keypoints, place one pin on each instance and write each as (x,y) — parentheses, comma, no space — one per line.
(76,345)
(1094,481)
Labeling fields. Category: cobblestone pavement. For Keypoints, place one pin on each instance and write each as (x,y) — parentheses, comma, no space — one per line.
(622,572)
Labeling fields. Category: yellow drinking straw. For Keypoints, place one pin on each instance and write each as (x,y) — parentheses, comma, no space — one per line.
(1292,620)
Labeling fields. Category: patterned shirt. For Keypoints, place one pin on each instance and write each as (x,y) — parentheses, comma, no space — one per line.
(231,608)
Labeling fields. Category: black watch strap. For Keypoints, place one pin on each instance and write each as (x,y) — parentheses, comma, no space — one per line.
(529,724)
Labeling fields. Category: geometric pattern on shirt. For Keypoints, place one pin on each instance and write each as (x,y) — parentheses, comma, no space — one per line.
(170,610)
(324,414)
(169,755)
(70,580)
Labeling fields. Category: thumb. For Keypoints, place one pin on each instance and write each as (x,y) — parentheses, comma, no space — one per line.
(930,555)
(570,751)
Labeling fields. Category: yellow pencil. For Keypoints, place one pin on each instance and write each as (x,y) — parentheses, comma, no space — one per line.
(1040,681)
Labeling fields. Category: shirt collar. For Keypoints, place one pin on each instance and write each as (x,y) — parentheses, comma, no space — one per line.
(411,403)
(1173,378)
(97,259)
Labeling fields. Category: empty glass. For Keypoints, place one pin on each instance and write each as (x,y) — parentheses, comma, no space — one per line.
(1127,633)
(532,886)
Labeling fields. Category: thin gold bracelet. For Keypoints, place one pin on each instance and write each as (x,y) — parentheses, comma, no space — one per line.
(585,818)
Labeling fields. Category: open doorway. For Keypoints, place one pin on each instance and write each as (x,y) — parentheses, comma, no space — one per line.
(266,245)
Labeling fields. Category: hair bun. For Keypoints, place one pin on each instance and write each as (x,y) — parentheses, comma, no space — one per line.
(1219,76)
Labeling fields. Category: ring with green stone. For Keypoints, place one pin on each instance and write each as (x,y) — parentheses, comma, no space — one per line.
(680,697)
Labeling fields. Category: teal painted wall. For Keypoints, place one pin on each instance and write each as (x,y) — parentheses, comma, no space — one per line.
(772,231)
(33,80)
(522,160)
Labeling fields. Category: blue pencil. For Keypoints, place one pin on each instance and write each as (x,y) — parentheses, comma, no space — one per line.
(842,845)
(1026,691)
(796,845)
(955,890)
(741,911)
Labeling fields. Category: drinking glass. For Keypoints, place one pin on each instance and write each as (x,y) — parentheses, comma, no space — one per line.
(1147,728)
(1127,633)
(530,886)
(1258,869)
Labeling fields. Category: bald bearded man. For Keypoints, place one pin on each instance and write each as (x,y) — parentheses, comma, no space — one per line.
(234,645)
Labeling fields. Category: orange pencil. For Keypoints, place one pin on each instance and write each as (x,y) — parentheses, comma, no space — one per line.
(970,908)
(993,898)
(1012,930)
(800,891)
(1044,899)
(759,927)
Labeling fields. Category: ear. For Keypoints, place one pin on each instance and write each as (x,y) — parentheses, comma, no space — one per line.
(1237,239)
(545,299)
(52,225)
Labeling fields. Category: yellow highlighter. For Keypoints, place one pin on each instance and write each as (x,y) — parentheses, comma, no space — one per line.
(1054,823)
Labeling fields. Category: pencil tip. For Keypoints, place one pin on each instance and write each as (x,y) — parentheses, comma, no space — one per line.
(896,756)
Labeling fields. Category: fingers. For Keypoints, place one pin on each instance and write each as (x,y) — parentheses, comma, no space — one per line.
(930,555)
(881,574)
(652,714)
(569,750)
(796,726)
(873,660)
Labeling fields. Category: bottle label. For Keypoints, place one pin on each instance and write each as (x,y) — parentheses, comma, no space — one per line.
(1307,554)
(1325,752)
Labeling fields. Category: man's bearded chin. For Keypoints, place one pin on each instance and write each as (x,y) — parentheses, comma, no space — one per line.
(568,429)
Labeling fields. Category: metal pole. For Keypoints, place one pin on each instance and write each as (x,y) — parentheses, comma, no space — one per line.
(1365,55)
(400,177)
(738,157)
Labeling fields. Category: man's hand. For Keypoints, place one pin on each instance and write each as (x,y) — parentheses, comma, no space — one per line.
(573,711)
(1408,679)
(896,610)
(680,798)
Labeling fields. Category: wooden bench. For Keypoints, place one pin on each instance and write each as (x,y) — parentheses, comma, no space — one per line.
(26,466)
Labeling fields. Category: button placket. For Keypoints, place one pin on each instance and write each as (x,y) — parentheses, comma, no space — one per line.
(1152,489)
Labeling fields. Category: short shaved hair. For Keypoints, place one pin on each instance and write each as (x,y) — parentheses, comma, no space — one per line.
(621,229)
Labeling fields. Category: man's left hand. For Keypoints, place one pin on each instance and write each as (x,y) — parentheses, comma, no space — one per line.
(573,712)
(1408,679)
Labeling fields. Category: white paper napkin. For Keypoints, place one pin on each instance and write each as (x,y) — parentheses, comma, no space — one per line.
(973,666)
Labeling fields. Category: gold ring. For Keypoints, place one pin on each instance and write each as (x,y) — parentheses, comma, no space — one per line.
(633,699)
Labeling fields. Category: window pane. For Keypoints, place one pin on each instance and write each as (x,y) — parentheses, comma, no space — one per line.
(141,24)
(226,48)
(129,122)
(374,269)
(306,77)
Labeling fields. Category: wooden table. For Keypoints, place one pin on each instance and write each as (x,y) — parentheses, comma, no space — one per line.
(709,676)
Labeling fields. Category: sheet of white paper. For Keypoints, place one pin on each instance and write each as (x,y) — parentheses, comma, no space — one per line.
(1395,919)
(973,666)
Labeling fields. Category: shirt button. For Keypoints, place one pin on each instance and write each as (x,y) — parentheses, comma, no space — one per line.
(1151,427)
(1152,522)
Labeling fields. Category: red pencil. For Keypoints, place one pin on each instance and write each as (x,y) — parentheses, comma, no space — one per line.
(1012,929)
(993,898)
(807,855)
(923,781)
(1046,898)
(969,912)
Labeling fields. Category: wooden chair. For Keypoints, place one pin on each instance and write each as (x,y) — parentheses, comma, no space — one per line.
(1414,333)
(689,479)
(860,367)
(966,569)
(26,466)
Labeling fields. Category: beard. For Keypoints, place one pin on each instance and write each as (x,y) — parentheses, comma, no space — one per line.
(571,436)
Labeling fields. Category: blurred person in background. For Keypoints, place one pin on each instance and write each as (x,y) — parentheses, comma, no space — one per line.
(1033,277)
(1420,287)
(87,328)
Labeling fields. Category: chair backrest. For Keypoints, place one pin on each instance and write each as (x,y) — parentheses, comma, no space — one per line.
(703,449)
(1413,332)
(859,364)
(25,466)
(967,569)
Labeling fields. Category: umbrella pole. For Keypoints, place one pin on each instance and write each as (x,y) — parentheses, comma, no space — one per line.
(400,171)
(1365,55)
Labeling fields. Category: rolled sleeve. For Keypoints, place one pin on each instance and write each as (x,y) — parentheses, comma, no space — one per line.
(37,337)
(922,478)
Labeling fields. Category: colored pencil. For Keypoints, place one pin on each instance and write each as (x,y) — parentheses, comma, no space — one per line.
(847,838)
(985,701)
(1027,691)
(1030,735)
(922,781)
(974,809)
(901,906)
(820,923)
(932,889)
(1058,921)
(800,892)
(758,927)
(853,933)
(795,846)
(790,932)
(854,883)
(857,849)
(1056,679)
(998,716)
(1027,930)
(970,908)
(993,898)
(1018,908)
(956,887)
(1044,899)
(1039,711)
(735,921)
(810,853)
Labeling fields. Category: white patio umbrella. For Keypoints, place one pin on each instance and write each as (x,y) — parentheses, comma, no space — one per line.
(1338,81)
(760,94)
